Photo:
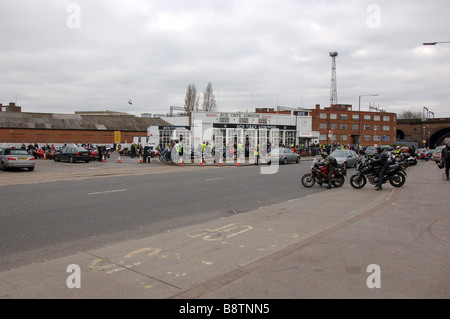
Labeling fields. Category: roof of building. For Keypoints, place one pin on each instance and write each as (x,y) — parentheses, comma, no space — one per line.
(54,121)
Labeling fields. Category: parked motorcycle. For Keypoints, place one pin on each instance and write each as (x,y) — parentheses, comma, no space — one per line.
(368,172)
(407,159)
(424,156)
(319,175)
(50,154)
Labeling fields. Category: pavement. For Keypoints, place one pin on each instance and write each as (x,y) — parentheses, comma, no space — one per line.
(337,244)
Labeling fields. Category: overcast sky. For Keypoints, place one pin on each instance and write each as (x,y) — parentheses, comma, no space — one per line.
(65,56)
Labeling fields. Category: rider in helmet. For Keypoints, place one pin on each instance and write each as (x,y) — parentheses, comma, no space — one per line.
(381,159)
(328,162)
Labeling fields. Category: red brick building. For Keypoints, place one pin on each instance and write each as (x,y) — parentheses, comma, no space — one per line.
(10,108)
(82,127)
(340,124)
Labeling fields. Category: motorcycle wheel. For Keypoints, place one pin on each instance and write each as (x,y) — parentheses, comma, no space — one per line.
(308,180)
(397,180)
(358,181)
(338,181)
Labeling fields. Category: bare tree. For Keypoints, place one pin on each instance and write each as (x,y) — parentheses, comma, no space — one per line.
(191,99)
(408,115)
(209,101)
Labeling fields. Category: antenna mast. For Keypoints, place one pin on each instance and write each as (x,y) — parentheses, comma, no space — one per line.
(333,94)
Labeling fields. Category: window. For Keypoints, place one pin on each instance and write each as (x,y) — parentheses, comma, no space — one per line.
(344,127)
(376,118)
(323,126)
(344,117)
(376,138)
(323,115)
(355,127)
(367,138)
(323,137)
(333,116)
(355,117)
(376,127)
(262,121)
(386,128)
(243,120)
(366,127)
(386,118)
(334,126)
(343,137)
(224,119)
(367,117)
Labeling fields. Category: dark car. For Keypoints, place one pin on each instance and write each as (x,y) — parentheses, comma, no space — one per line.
(73,154)
(371,151)
(16,158)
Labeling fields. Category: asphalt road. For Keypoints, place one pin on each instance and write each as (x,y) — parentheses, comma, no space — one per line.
(46,220)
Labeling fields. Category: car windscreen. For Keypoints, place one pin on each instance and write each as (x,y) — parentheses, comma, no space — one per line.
(339,154)
(18,152)
(80,149)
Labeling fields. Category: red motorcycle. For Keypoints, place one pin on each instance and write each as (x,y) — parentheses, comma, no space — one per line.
(319,175)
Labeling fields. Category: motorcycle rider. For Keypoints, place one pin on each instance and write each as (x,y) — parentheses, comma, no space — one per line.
(381,160)
(330,163)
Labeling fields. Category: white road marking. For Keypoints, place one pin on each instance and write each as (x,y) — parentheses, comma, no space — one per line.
(214,179)
(106,192)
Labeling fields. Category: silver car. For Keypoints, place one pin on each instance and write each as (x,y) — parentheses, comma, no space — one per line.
(16,158)
(348,158)
(283,155)
(437,154)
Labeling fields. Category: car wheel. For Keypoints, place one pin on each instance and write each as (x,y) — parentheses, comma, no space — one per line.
(298,159)
(31,169)
(285,161)
(2,166)
(71,159)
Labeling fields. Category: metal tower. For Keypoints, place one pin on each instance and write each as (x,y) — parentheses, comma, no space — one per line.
(333,94)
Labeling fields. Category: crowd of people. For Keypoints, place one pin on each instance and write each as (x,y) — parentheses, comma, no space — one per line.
(99,152)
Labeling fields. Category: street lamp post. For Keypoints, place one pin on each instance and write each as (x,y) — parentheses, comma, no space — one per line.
(359,116)
(434,43)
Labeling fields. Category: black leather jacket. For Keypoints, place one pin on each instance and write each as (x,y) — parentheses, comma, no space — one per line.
(381,160)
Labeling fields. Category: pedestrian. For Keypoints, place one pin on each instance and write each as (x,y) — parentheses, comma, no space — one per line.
(256,154)
(445,158)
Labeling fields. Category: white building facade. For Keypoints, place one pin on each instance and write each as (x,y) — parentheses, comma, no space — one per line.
(287,129)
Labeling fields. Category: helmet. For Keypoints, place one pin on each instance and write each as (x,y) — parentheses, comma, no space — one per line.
(324,154)
(380,149)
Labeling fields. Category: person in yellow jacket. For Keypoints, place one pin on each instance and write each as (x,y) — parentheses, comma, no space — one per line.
(256,153)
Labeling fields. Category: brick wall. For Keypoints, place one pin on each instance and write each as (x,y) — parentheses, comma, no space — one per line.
(40,136)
